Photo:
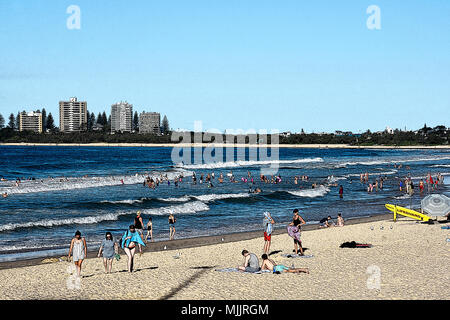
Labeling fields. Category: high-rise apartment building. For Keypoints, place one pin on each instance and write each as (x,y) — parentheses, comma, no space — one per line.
(122,117)
(72,115)
(30,121)
(149,122)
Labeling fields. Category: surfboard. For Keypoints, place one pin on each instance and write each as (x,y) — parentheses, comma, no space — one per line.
(406,212)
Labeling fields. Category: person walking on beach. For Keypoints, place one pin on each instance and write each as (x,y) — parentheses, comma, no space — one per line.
(269,264)
(251,262)
(139,224)
(172,221)
(294,229)
(268,228)
(109,249)
(129,240)
(78,250)
(149,230)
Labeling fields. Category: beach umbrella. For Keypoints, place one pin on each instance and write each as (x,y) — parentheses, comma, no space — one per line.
(436,205)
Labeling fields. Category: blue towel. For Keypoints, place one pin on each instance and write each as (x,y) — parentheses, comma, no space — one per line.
(135,237)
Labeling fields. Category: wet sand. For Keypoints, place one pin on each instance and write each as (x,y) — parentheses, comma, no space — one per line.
(412,259)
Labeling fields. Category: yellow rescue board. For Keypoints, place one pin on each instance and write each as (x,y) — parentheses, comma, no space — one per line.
(406,212)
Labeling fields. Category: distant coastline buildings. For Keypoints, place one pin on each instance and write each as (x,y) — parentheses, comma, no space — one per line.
(121,117)
(30,121)
(72,115)
(149,122)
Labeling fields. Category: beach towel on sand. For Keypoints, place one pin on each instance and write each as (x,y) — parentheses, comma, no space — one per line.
(237,270)
(293,255)
(353,244)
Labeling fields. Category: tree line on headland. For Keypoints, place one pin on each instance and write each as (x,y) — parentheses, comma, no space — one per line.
(427,136)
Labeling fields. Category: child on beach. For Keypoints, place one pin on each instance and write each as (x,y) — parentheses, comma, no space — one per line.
(340,220)
(149,230)
(78,248)
(325,222)
(269,264)
(268,228)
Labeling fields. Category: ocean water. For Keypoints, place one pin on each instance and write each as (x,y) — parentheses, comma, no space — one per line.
(81,188)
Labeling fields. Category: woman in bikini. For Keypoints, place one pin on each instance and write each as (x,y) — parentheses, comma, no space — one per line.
(297,223)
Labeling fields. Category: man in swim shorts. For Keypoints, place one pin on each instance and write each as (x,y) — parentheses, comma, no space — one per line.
(269,264)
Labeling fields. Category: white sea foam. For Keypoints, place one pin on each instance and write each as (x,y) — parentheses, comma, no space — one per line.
(440,166)
(403,160)
(130,201)
(234,164)
(212,197)
(383,173)
(405,196)
(186,208)
(311,193)
(180,199)
(61,222)
(206,197)
(57,184)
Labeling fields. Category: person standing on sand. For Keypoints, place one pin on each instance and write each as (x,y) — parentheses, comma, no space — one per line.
(268,228)
(251,262)
(139,224)
(294,229)
(129,240)
(78,248)
(110,249)
(149,230)
(172,221)
(269,264)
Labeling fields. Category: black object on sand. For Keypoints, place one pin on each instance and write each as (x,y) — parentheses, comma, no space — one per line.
(353,244)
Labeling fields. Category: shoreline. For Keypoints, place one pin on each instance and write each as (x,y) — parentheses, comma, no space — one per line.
(195,242)
(224,145)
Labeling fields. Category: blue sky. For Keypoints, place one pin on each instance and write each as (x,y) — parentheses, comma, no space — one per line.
(233,64)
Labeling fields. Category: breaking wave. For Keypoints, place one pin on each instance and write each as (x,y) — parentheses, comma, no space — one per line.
(60,184)
(311,193)
(235,164)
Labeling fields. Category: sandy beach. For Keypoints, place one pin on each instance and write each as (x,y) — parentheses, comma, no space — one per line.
(412,259)
(225,145)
